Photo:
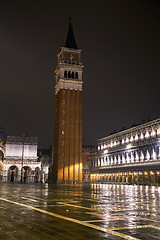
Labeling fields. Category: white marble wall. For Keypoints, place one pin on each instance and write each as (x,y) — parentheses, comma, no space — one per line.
(15,151)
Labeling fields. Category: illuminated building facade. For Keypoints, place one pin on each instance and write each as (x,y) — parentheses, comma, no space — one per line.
(67,157)
(129,156)
(86,151)
(45,157)
(18,161)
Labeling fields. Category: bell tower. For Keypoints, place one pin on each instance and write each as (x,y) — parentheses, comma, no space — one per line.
(67,158)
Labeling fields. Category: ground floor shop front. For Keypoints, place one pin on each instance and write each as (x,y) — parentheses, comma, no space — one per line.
(16,172)
(146,175)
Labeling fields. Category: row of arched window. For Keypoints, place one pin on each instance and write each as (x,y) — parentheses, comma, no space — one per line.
(126,139)
(69,74)
(125,157)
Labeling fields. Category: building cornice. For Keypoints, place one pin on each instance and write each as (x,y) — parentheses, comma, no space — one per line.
(128,165)
(68,84)
(70,50)
(132,129)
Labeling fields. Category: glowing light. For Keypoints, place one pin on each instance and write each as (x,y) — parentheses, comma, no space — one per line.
(137,157)
(153,133)
(142,156)
(123,158)
(136,137)
(131,139)
(129,146)
(46,170)
(148,155)
(132,157)
(145,173)
(154,155)
(152,173)
(147,134)
(142,136)
(105,151)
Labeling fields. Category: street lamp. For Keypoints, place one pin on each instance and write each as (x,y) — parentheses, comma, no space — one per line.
(23,136)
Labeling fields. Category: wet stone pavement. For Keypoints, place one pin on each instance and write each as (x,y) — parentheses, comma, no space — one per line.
(79,212)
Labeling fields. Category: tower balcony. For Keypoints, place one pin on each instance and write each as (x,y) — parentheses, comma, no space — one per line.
(68,62)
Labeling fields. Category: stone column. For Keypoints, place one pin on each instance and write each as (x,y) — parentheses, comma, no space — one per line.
(143,178)
(153,177)
(138,178)
(149,178)
(133,180)
(5,176)
(19,176)
(123,178)
(127,177)
(158,177)
(116,177)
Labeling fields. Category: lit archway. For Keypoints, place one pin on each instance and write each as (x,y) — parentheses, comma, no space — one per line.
(1,156)
(37,174)
(1,171)
(13,173)
(26,174)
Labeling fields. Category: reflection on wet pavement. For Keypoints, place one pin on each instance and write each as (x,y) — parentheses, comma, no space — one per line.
(96,211)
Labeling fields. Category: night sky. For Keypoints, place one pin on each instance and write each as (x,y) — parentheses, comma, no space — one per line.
(120,42)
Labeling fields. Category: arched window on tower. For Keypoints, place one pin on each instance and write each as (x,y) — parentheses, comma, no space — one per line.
(65,74)
(73,75)
(76,75)
(69,74)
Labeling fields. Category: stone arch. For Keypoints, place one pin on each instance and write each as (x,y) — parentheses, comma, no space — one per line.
(1,171)
(13,173)
(26,174)
(2,151)
(37,174)
(1,166)
(1,156)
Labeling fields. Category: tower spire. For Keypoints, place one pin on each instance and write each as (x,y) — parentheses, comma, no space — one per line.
(69,16)
(69,40)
